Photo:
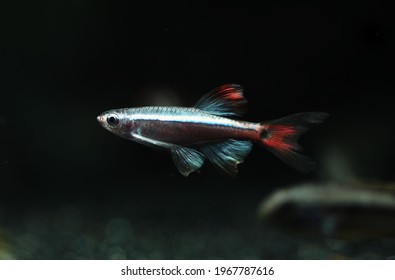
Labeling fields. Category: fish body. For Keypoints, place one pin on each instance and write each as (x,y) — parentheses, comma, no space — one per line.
(183,126)
(205,131)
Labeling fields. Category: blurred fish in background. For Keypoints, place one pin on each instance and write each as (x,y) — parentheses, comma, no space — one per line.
(350,210)
(344,206)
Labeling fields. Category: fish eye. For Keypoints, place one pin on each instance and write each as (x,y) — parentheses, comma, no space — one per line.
(112,120)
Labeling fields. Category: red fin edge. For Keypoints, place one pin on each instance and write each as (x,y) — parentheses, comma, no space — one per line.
(278,135)
(281,138)
(226,100)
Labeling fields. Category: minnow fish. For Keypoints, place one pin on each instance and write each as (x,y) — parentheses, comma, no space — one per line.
(345,210)
(194,134)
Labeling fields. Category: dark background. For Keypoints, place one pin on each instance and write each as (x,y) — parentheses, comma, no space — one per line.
(70,189)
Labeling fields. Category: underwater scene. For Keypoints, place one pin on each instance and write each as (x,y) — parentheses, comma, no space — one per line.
(197,130)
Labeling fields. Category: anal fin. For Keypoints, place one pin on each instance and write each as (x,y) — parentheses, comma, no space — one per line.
(187,160)
(227,155)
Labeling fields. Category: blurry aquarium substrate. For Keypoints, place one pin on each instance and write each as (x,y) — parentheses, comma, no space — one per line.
(146,226)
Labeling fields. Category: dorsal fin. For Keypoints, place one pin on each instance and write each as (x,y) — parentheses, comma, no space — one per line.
(226,100)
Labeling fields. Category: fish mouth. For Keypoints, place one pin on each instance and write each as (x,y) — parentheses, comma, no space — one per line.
(100,119)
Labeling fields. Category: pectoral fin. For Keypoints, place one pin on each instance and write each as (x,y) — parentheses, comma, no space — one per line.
(187,160)
(227,155)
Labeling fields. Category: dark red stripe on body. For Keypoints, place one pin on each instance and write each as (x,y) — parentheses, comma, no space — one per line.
(189,133)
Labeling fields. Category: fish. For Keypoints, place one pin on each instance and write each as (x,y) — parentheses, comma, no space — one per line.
(344,210)
(210,131)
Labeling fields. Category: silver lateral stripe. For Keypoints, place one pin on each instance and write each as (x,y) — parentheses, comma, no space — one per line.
(146,140)
(204,119)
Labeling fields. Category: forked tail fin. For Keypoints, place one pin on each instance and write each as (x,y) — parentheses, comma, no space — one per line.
(281,138)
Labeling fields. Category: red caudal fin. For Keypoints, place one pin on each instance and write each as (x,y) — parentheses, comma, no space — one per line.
(280,137)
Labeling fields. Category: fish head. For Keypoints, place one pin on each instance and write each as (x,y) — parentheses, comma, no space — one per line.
(117,122)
